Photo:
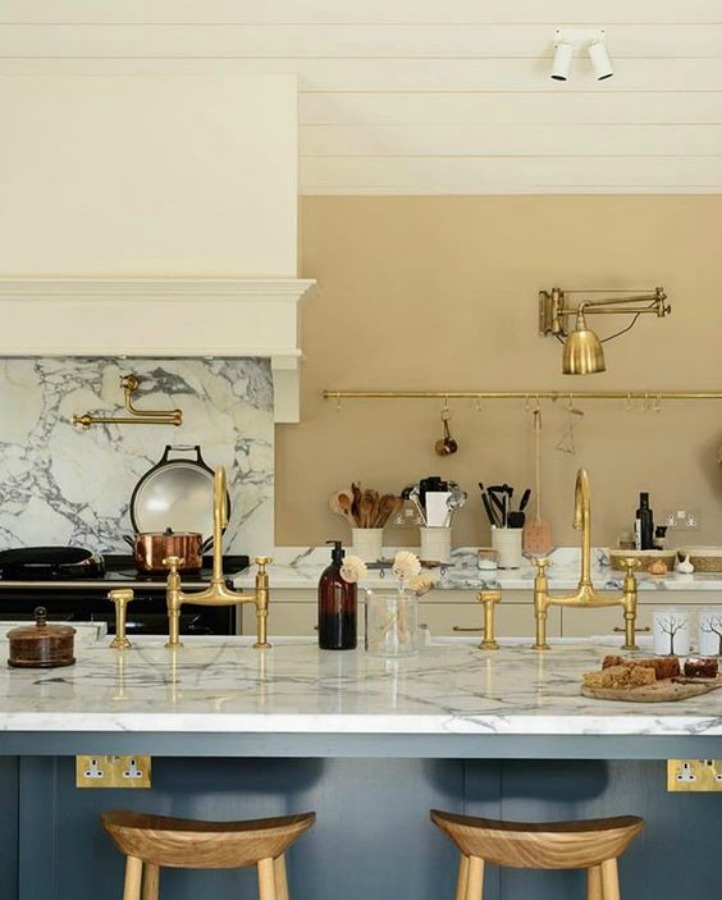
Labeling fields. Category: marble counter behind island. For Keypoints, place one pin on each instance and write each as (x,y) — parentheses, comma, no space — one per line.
(301,567)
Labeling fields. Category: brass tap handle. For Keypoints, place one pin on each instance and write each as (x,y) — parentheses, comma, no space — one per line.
(263,596)
(630,564)
(173,563)
(489,599)
(541,563)
(121,599)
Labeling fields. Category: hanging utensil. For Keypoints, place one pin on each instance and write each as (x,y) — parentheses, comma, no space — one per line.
(537,536)
(446,445)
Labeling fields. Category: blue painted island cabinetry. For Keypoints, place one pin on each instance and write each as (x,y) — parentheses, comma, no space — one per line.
(371,745)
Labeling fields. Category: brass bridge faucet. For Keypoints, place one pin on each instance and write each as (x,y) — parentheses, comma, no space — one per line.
(217,593)
(585,595)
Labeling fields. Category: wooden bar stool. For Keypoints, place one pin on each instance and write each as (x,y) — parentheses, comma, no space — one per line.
(594,845)
(150,842)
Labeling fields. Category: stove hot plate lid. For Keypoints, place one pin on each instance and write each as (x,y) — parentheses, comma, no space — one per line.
(50,563)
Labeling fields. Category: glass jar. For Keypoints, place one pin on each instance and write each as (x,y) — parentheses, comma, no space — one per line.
(392,627)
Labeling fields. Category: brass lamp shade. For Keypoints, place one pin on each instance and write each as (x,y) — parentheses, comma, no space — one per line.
(582,354)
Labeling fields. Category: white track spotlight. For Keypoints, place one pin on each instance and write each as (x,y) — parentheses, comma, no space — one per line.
(601,62)
(562,60)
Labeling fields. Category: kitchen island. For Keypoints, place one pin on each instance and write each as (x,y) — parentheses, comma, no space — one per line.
(370,744)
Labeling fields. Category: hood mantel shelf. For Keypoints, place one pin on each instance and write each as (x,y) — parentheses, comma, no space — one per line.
(165,317)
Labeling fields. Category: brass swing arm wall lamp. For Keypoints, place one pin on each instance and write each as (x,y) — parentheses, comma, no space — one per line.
(583,353)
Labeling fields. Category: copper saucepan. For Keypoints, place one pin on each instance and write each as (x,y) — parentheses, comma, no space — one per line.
(150,548)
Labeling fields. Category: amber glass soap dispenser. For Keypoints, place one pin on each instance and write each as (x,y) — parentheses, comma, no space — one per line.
(336,605)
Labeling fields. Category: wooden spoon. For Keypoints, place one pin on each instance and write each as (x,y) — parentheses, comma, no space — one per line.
(340,502)
(387,507)
(367,509)
(345,501)
(356,505)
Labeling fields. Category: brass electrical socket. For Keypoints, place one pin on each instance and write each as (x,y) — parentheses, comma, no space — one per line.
(694,774)
(112,771)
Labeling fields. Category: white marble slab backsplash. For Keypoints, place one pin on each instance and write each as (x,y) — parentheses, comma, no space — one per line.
(62,485)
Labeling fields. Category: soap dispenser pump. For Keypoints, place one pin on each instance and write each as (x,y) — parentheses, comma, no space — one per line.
(337,606)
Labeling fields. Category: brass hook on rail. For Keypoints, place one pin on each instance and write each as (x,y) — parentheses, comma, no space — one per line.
(130,384)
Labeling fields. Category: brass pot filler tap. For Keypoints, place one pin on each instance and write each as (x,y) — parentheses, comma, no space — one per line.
(585,595)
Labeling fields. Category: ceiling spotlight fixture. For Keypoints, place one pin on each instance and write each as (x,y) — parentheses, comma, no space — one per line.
(583,353)
(601,62)
(568,40)
(563,53)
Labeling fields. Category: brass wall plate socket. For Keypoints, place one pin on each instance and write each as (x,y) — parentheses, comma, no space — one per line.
(112,771)
(694,775)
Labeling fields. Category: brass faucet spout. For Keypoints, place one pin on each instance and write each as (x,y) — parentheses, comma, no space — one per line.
(217,593)
(585,595)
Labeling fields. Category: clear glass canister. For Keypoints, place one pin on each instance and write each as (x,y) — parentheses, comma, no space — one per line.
(392,624)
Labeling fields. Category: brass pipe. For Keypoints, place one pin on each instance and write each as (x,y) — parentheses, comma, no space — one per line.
(522,395)
(87,420)
(130,384)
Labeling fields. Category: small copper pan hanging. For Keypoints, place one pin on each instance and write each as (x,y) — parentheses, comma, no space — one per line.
(446,445)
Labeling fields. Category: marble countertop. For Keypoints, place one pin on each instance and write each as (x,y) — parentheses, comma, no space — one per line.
(223,686)
(301,567)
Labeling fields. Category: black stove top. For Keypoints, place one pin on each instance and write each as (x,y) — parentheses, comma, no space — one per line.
(120,566)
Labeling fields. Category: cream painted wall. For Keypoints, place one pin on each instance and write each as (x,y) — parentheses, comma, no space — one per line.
(439,293)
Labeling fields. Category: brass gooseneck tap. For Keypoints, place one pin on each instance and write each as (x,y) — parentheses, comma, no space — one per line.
(585,595)
(217,593)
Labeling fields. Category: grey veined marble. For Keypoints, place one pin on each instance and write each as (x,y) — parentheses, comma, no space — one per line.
(62,485)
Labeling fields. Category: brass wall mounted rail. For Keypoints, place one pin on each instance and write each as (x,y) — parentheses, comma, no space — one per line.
(649,396)
(130,384)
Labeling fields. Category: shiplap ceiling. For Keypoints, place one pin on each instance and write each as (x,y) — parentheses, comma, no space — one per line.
(430,96)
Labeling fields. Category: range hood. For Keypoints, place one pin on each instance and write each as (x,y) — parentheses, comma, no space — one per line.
(182,317)
(152,216)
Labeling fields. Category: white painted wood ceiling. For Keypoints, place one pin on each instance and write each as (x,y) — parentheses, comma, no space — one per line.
(430,96)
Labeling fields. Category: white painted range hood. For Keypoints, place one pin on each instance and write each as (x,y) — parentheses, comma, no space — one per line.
(152,216)
(140,317)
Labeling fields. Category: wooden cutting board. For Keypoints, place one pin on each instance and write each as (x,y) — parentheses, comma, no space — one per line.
(663,691)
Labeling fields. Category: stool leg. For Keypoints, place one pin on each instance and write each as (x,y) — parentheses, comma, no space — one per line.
(266,880)
(133,875)
(610,880)
(475,879)
(279,866)
(151,879)
(594,883)
(463,878)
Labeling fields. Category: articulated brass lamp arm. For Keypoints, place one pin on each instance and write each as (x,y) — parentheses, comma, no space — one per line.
(554,310)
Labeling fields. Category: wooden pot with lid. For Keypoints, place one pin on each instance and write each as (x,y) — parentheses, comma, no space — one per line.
(41,646)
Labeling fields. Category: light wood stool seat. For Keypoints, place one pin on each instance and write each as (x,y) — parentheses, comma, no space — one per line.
(592,844)
(150,841)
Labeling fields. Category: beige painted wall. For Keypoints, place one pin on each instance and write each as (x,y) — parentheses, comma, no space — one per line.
(439,293)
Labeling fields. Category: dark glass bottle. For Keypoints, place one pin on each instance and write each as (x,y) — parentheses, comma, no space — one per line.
(337,609)
(644,525)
